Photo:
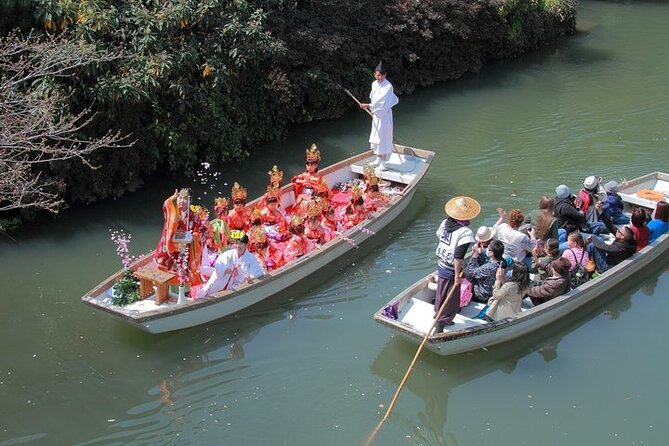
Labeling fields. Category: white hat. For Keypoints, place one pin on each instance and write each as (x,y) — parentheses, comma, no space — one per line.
(591,182)
(485,233)
(562,191)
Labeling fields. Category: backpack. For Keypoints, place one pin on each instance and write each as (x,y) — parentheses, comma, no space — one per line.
(578,275)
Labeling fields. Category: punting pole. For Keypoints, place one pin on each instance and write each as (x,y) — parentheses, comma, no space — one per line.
(410,369)
(369,112)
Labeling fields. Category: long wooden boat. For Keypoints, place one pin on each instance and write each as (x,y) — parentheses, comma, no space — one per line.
(406,167)
(415,308)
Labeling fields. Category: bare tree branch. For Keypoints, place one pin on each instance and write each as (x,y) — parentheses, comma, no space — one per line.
(37,126)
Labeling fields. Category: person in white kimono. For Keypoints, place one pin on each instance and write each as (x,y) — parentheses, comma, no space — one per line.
(382,100)
(232,268)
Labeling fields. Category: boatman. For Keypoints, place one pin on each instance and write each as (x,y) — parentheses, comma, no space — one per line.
(382,100)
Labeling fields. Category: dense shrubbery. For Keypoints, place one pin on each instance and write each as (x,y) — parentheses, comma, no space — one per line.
(210,79)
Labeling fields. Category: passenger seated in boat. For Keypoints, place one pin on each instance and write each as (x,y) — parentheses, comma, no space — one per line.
(507,293)
(298,244)
(615,204)
(516,244)
(314,230)
(481,269)
(374,199)
(355,212)
(576,252)
(264,252)
(543,256)
(660,222)
(274,185)
(592,202)
(639,228)
(484,235)
(555,285)
(609,255)
(239,216)
(542,220)
(219,230)
(329,220)
(310,176)
(181,226)
(232,268)
(274,219)
(569,217)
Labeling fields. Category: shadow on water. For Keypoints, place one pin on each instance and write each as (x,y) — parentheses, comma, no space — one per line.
(434,376)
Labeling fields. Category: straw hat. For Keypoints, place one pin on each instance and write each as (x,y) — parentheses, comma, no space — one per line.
(462,208)
(485,233)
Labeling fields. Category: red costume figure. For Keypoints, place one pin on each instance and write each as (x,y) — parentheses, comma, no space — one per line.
(356,212)
(255,224)
(181,226)
(219,230)
(308,178)
(329,220)
(297,244)
(273,218)
(314,231)
(264,252)
(373,197)
(275,180)
(239,216)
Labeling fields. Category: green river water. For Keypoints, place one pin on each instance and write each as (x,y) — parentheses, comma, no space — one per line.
(310,367)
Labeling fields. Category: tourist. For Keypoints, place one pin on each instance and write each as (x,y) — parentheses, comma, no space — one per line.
(484,236)
(609,255)
(576,252)
(508,294)
(660,222)
(615,204)
(592,202)
(543,256)
(542,220)
(454,237)
(569,217)
(639,228)
(555,285)
(516,244)
(233,268)
(382,100)
(481,270)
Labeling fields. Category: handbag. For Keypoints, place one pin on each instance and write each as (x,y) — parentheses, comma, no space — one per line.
(591,266)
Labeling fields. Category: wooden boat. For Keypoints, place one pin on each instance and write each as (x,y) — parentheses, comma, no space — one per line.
(406,167)
(415,309)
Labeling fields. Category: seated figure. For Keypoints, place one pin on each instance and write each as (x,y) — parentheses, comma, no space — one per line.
(508,294)
(639,228)
(516,244)
(660,222)
(542,257)
(273,218)
(615,204)
(308,178)
(555,285)
(608,255)
(576,252)
(232,268)
(481,270)
(219,230)
(298,244)
(592,202)
(239,216)
(314,231)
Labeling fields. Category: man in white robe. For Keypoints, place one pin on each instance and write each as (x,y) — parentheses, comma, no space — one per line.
(232,268)
(382,100)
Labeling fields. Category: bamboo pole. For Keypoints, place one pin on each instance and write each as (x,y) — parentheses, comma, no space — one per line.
(369,112)
(410,369)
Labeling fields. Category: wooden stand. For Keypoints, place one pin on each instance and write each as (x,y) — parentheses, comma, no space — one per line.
(148,277)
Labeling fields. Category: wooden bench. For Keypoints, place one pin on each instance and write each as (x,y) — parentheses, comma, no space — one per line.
(148,277)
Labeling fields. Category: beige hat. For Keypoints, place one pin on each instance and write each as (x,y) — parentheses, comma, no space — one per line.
(462,208)
(591,182)
(485,233)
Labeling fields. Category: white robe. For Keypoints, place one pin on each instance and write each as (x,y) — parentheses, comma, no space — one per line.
(244,267)
(382,100)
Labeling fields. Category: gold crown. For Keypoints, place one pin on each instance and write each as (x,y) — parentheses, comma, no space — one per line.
(273,192)
(257,235)
(322,186)
(238,192)
(275,176)
(314,208)
(296,220)
(255,214)
(356,191)
(370,174)
(313,154)
(201,211)
(221,203)
(183,193)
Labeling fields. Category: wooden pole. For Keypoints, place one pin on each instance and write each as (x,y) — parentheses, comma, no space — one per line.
(410,369)
(369,112)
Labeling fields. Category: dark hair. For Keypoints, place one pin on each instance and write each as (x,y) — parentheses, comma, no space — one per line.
(662,211)
(497,248)
(314,219)
(553,246)
(244,239)
(374,188)
(239,201)
(561,266)
(628,235)
(358,201)
(638,218)
(272,200)
(297,229)
(521,275)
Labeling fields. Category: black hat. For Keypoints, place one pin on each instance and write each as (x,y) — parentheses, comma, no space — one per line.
(380,68)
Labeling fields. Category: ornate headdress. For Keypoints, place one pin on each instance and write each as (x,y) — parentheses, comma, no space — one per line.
(313,154)
(201,212)
(257,235)
(315,208)
(273,192)
(296,219)
(275,176)
(221,203)
(370,174)
(255,214)
(183,193)
(356,192)
(238,192)
(322,186)
(236,234)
